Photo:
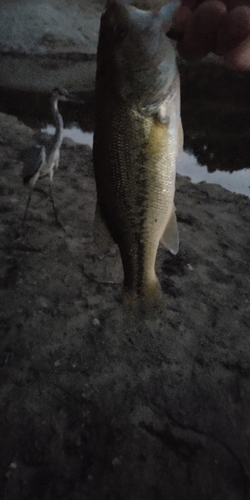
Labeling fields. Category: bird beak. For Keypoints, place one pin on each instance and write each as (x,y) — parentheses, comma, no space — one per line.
(71,97)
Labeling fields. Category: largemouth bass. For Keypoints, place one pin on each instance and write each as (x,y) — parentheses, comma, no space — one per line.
(137,137)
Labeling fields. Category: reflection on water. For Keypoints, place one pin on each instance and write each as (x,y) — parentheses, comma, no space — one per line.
(74,133)
(237,181)
(187,165)
(215,114)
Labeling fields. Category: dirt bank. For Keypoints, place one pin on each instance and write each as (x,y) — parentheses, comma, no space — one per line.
(93,409)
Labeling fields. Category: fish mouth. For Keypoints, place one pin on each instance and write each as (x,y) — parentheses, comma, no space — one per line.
(152,58)
(155,57)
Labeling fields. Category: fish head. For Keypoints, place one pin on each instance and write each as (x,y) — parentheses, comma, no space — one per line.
(135,52)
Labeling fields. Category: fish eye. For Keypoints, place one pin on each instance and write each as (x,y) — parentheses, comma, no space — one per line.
(119,31)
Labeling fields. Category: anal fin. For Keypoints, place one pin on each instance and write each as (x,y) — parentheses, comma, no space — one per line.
(170,237)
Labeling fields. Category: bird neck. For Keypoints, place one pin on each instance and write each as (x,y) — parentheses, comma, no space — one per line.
(58,119)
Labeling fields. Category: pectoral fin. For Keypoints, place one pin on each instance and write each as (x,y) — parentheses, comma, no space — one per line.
(102,237)
(170,237)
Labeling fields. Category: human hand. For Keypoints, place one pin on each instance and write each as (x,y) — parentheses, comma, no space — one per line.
(219,26)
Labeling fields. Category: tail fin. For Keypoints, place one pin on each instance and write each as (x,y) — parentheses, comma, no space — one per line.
(147,303)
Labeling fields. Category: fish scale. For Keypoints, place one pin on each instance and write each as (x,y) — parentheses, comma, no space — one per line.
(135,148)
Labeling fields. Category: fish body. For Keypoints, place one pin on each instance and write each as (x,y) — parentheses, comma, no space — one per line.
(137,138)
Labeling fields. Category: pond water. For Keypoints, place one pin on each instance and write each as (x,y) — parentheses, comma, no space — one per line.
(215,113)
(187,165)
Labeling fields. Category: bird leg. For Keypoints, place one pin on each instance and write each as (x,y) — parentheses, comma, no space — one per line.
(26,208)
(59,224)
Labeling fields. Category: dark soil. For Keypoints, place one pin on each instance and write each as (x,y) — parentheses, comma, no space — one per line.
(92,408)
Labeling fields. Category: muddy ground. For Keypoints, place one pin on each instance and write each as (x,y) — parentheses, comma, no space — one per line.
(95,409)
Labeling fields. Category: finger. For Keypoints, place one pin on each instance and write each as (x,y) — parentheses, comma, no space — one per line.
(181,20)
(234,29)
(190,4)
(200,35)
(239,58)
(232,4)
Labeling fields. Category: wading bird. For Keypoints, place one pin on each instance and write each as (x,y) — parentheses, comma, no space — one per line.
(41,161)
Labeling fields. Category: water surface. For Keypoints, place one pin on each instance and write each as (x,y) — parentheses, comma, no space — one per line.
(215,114)
(187,165)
